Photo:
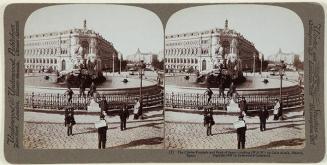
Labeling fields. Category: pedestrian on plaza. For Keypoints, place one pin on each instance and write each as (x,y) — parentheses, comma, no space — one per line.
(82,78)
(69,122)
(232,89)
(70,93)
(136,109)
(208,121)
(103,104)
(209,93)
(263,116)
(221,87)
(102,134)
(276,109)
(241,134)
(243,106)
(124,115)
(92,90)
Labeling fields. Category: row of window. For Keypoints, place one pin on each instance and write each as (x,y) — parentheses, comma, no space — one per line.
(183,43)
(179,67)
(47,51)
(43,43)
(182,60)
(40,67)
(186,51)
(40,60)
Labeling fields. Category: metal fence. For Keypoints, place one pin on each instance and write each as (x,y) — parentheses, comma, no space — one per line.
(60,101)
(254,102)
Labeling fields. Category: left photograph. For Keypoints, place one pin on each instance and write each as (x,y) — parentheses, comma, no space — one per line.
(93,78)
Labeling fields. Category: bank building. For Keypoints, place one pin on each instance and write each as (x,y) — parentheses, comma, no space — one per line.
(65,50)
(204,50)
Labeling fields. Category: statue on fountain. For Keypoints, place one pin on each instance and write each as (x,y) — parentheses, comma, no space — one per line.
(226,66)
(84,72)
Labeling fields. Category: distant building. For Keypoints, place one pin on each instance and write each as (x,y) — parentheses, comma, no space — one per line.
(202,50)
(288,58)
(64,50)
(146,57)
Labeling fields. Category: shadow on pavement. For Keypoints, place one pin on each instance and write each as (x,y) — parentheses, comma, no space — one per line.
(153,116)
(145,125)
(150,141)
(286,126)
(289,142)
(233,131)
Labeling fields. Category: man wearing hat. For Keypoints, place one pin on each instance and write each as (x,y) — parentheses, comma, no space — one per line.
(241,134)
(124,115)
(102,134)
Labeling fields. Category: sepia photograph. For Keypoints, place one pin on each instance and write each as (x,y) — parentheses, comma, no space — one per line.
(234,78)
(93,78)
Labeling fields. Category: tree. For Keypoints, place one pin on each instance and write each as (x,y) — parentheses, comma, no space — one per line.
(297,63)
(158,64)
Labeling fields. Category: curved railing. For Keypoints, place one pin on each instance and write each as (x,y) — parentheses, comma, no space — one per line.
(256,99)
(115,100)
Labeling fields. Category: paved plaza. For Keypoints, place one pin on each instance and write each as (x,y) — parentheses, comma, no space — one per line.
(190,133)
(47,131)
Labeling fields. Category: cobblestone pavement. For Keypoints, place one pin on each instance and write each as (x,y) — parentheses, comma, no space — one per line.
(140,134)
(279,135)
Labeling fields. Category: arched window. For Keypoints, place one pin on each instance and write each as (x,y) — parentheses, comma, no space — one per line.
(204,65)
(63,65)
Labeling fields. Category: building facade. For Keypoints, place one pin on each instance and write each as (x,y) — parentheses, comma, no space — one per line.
(146,57)
(204,50)
(66,50)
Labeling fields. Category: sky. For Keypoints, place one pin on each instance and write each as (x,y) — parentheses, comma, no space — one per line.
(268,27)
(128,28)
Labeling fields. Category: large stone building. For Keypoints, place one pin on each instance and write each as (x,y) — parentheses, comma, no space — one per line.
(65,50)
(203,50)
(146,57)
(288,58)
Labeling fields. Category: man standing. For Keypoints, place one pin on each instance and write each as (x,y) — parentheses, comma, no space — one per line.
(208,122)
(241,134)
(69,122)
(136,109)
(103,104)
(209,93)
(92,90)
(263,115)
(70,93)
(102,134)
(276,109)
(243,106)
(124,115)
(221,86)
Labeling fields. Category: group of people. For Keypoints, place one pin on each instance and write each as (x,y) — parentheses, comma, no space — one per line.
(69,92)
(232,90)
(102,131)
(263,115)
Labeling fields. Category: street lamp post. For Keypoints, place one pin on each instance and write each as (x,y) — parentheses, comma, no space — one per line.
(261,56)
(281,74)
(121,58)
(141,67)
(253,64)
(113,63)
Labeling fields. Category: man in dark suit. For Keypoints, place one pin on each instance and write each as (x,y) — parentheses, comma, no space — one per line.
(69,122)
(208,121)
(102,135)
(241,135)
(103,104)
(124,115)
(263,115)
(243,106)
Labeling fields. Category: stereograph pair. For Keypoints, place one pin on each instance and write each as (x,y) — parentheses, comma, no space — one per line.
(108,79)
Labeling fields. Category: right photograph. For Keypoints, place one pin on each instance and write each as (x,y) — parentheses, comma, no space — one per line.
(234,78)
